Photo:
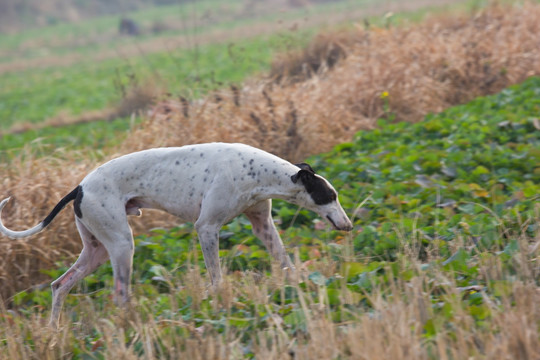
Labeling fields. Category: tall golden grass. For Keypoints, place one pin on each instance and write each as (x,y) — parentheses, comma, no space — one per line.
(422,68)
(392,327)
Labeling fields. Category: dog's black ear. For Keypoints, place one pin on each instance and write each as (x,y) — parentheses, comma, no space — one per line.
(306,167)
(317,187)
(303,175)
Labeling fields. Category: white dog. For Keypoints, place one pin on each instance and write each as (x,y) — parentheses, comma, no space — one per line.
(208,184)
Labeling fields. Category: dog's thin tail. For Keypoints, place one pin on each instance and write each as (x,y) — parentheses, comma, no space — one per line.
(21,234)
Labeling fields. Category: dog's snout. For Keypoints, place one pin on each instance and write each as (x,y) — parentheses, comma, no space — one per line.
(344,225)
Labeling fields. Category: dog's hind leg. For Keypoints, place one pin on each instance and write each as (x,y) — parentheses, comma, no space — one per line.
(109,224)
(92,256)
(118,240)
(260,216)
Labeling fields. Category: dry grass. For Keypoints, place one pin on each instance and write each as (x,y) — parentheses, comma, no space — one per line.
(322,54)
(423,68)
(392,327)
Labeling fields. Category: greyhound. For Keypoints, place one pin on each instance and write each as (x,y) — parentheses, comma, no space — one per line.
(208,184)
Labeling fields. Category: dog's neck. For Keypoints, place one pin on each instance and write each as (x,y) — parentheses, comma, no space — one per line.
(281,187)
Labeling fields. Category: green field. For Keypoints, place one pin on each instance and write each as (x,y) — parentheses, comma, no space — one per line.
(190,20)
(87,87)
(74,90)
(35,95)
(79,68)
(446,200)
(185,64)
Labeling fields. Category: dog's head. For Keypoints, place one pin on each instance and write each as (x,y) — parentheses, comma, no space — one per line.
(321,197)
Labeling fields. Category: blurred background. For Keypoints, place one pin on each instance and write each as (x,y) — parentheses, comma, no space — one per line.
(67,66)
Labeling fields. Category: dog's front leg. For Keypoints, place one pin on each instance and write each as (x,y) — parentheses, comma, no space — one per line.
(260,216)
(209,239)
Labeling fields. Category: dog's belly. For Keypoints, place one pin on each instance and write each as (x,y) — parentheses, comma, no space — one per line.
(186,212)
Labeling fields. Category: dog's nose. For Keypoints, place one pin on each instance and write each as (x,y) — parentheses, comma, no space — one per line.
(346,224)
(347,227)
